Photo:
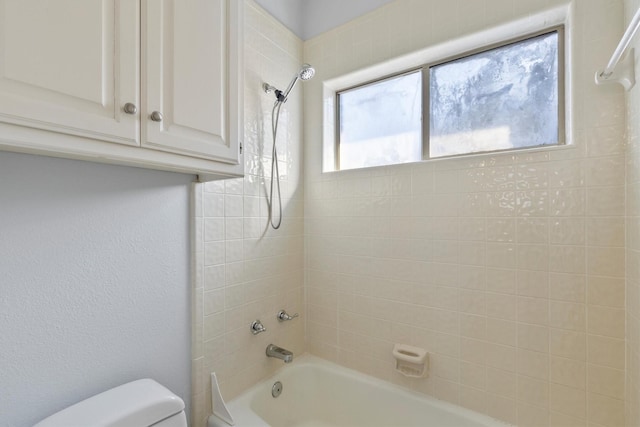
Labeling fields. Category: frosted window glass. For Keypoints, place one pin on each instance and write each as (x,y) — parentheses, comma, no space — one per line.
(495,100)
(380,123)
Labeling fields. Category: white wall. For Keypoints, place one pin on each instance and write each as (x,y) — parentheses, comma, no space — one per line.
(321,16)
(309,18)
(288,12)
(94,282)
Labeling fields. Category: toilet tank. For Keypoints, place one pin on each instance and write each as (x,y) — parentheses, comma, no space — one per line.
(139,403)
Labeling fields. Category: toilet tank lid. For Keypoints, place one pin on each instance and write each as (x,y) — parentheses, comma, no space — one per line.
(138,403)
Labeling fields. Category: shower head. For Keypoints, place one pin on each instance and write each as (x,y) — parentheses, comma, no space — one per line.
(306,72)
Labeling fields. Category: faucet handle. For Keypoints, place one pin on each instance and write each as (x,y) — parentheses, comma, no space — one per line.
(257,327)
(284,316)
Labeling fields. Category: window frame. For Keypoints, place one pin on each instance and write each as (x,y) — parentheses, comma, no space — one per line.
(426,95)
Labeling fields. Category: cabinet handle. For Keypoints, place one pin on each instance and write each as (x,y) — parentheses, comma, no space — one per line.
(130,108)
(156,116)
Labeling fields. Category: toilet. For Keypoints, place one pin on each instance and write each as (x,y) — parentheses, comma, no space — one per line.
(140,403)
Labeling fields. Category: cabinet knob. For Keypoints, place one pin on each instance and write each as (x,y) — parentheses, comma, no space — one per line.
(156,116)
(130,108)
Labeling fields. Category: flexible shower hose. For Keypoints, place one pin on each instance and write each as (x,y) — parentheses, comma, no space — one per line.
(275,117)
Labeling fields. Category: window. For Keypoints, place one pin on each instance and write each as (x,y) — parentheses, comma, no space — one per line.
(381,123)
(499,98)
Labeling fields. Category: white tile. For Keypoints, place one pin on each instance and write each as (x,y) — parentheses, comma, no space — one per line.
(214,253)
(568,231)
(214,277)
(213,229)
(233,228)
(213,204)
(233,206)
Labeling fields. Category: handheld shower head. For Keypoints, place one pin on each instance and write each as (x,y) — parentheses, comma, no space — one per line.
(306,72)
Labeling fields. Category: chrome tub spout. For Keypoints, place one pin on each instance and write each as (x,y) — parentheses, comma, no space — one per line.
(279,353)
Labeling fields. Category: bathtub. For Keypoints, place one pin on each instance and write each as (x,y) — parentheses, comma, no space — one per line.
(318,393)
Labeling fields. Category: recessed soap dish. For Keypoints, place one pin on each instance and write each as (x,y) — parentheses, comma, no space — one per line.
(411,361)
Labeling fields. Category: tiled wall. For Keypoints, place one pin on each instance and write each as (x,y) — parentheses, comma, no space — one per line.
(508,268)
(633,243)
(244,269)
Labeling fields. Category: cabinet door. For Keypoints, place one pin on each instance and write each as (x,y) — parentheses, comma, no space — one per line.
(69,66)
(192,77)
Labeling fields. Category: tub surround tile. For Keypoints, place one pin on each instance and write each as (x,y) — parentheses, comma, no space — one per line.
(521,256)
(509,268)
(249,271)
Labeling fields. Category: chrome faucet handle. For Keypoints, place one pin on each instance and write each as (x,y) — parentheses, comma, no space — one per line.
(257,327)
(284,316)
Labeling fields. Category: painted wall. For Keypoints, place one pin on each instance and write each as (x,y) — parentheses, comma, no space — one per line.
(321,16)
(289,12)
(633,241)
(94,284)
(309,18)
(246,270)
(508,268)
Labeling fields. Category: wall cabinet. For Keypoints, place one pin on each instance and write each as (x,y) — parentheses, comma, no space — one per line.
(150,83)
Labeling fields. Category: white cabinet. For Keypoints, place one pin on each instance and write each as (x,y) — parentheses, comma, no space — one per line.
(68,66)
(86,79)
(186,65)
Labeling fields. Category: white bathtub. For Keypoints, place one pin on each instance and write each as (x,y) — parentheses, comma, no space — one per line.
(317,393)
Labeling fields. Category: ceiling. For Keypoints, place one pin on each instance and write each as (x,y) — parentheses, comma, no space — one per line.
(309,18)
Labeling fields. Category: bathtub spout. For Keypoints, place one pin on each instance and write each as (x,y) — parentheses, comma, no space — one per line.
(279,353)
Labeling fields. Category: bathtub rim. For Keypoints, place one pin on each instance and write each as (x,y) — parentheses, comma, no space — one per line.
(246,417)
